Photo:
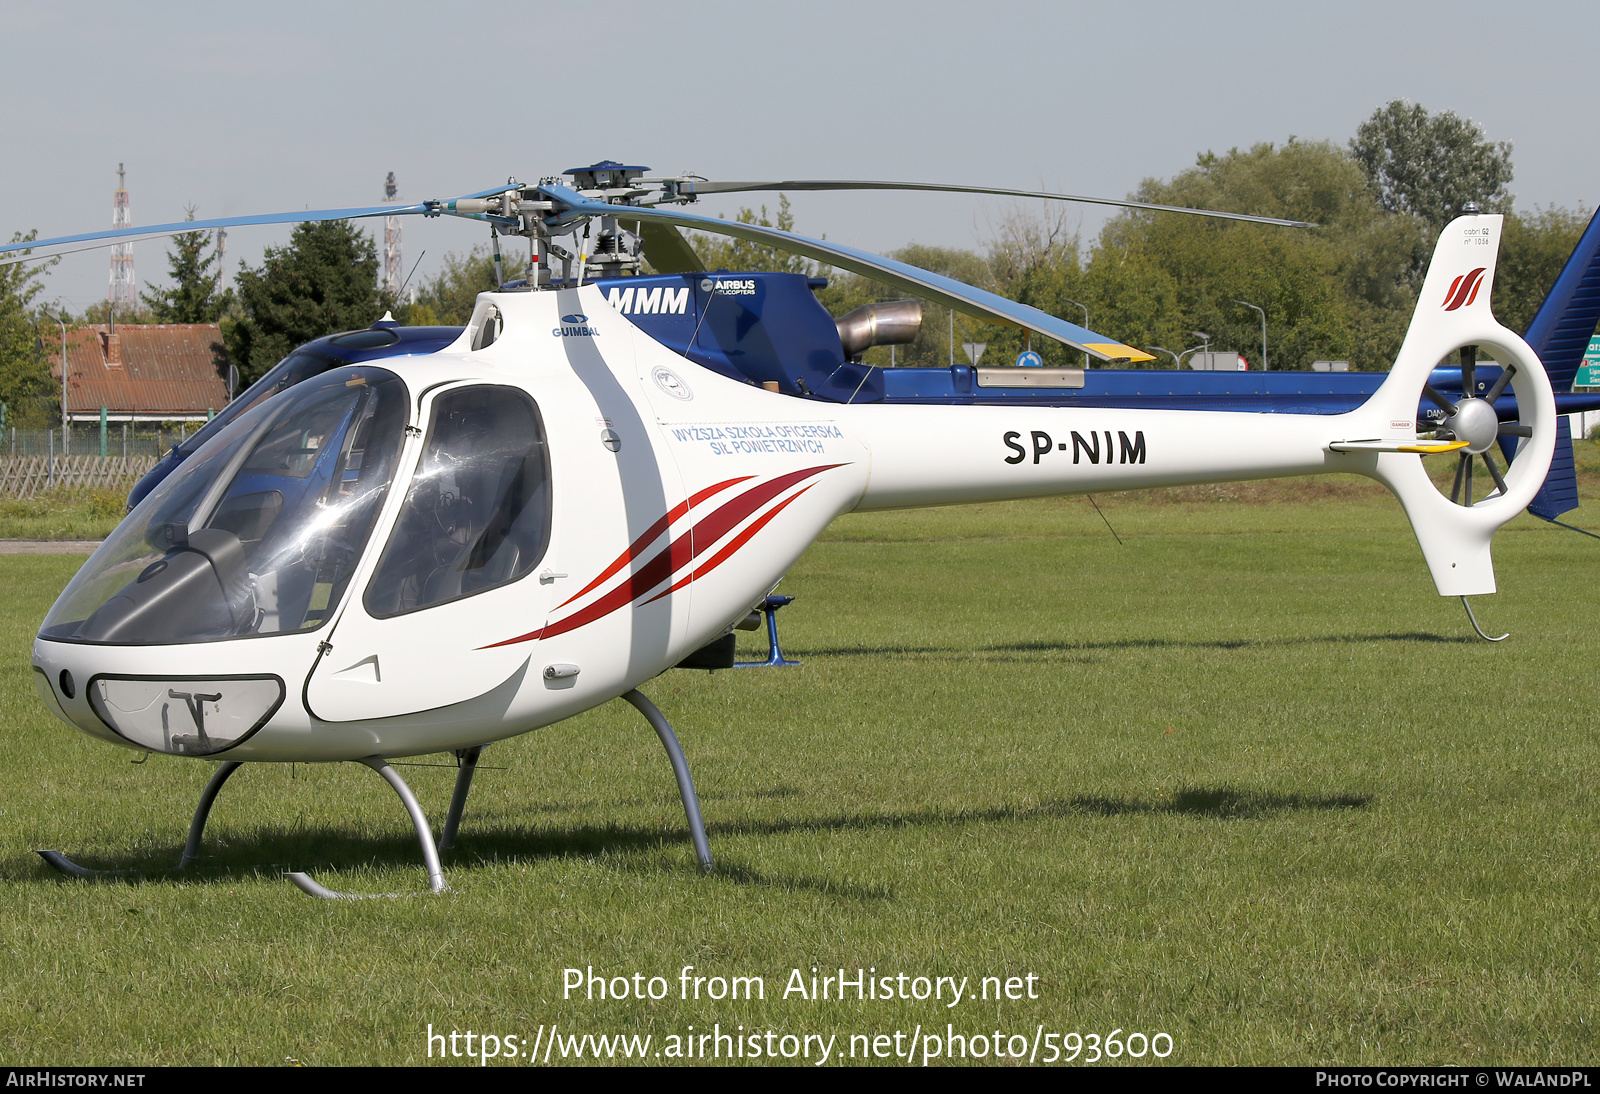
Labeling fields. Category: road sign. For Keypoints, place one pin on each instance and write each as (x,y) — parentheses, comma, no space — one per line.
(974,350)
(1029,359)
(1589,374)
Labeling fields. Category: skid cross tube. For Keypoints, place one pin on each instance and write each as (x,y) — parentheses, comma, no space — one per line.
(468,758)
(430,854)
(680,768)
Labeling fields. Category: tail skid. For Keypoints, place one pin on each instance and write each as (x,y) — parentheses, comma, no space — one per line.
(1453,312)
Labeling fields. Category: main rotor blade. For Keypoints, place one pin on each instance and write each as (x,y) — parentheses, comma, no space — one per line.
(222,222)
(696,187)
(944,290)
(666,249)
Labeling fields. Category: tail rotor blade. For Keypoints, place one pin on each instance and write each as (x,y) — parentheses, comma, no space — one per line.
(1494,472)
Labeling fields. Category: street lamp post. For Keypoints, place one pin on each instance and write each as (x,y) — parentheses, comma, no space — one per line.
(63,326)
(1176,362)
(1206,346)
(1263,315)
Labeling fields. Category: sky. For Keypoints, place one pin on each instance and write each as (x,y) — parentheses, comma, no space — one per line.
(250,108)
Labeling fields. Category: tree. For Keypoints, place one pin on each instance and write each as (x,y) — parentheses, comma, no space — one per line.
(325,280)
(1431,166)
(450,297)
(193,297)
(1533,249)
(727,253)
(1153,278)
(101,312)
(23,369)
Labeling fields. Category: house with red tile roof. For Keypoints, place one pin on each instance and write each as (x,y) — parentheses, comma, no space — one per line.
(156,372)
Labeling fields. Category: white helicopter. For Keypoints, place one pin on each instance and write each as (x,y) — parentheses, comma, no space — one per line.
(597,478)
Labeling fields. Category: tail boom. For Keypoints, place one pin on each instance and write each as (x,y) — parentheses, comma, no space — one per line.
(942,455)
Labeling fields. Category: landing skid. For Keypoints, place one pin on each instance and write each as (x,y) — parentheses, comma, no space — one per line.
(430,851)
(191,847)
(680,770)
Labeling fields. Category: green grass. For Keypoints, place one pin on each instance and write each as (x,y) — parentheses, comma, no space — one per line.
(1245,779)
(69,513)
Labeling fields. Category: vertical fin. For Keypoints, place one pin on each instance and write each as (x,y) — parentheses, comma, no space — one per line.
(1453,311)
(1559,334)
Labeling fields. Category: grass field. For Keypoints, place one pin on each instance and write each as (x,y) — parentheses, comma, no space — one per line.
(69,513)
(1244,779)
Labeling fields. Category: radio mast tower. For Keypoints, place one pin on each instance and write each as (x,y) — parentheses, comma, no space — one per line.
(124,287)
(391,244)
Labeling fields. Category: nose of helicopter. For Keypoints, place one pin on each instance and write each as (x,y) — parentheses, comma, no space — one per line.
(101,691)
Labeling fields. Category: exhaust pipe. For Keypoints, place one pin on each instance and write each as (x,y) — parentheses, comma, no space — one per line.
(894,323)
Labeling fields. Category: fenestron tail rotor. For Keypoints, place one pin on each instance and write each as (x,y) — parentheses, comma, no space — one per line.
(1473,423)
(1455,523)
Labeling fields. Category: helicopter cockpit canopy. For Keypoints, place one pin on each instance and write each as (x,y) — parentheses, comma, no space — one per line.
(259,532)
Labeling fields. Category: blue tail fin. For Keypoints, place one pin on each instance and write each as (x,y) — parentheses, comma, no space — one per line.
(1559,334)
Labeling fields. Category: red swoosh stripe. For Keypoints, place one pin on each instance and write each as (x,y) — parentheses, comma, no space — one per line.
(652,532)
(736,509)
(1463,290)
(738,541)
(648,576)
(679,552)
(682,550)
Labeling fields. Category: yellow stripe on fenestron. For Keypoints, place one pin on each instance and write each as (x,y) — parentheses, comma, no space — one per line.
(1115,350)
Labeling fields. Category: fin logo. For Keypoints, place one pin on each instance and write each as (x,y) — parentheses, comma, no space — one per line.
(1463,290)
(653,301)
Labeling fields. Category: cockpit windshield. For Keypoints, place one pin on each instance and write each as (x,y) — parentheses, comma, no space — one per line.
(259,532)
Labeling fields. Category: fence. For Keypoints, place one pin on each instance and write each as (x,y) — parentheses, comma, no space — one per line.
(25,476)
(121,439)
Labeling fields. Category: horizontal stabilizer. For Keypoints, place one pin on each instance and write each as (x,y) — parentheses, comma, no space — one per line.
(1396,446)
